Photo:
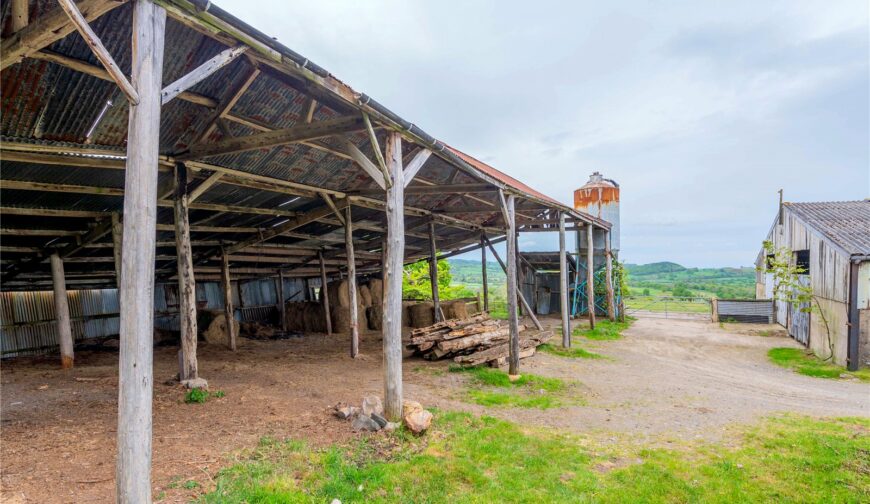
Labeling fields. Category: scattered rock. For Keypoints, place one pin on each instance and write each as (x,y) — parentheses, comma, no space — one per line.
(195,383)
(379,419)
(345,412)
(418,420)
(365,423)
(410,406)
(391,426)
(514,377)
(335,501)
(372,404)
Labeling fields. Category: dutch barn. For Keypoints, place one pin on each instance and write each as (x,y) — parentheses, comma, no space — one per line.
(162,159)
(830,243)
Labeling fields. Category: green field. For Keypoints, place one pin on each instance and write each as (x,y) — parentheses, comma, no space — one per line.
(671,279)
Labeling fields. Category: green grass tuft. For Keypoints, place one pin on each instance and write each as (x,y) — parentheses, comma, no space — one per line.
(492,387)
(468,459)
(808,364)
(199,396)
(573,352)
(604,330)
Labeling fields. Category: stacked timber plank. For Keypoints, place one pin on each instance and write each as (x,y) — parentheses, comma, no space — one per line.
(476,340)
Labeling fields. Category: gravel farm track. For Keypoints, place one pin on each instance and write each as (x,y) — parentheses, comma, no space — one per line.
(665,381)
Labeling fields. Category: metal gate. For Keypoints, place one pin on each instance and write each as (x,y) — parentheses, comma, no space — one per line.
(671,307)
(799,329)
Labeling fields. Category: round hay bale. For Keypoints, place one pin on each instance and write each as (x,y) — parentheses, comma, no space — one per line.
(341,321)
(406,313)
(338,295)
(376,288)
(365,296)
(422,314)
(314,318)
(375,315)
(217,331)
(456,310)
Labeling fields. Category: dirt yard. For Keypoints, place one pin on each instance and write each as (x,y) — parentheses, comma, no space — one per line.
(665,380)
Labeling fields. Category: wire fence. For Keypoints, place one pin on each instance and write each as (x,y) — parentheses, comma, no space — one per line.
(669,306)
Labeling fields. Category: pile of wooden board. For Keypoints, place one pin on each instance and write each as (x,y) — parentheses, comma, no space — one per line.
(476,340)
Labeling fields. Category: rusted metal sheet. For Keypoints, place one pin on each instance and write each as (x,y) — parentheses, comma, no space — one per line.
(599,197)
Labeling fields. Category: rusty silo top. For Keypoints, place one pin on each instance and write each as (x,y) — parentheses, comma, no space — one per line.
(598,191)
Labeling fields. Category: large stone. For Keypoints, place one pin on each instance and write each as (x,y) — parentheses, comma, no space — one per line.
(372,404)
(418,421)
(391,426)
(410,406)
(195,383)
(379,419)
(365,423)
(345,412)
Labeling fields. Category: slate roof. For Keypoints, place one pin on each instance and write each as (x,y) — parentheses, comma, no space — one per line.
(845,223)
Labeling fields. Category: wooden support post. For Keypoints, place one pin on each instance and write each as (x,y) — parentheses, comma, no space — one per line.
(433,274)
(186,282)
(20,15)
(61,311)
(590,276)
(512,292)
(351,284)
(324,293)
(520,296)
(117,234)
(563,284)
(485,285)
(229,312)
(392,318)
(136,295)
(521,275)
(282,310)
(608,281)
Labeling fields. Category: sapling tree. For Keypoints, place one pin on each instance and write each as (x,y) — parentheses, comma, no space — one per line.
(788,288)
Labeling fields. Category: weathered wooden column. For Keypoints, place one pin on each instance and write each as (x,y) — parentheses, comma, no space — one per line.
(186,282)
(563,284)
(61,313)
(282,311)
(117,234)
(136,295)
(485,285)
(590,276)
(521,275)
(324,293)
(608,281)
(229,312)
(351,284)
(433,274)
(511,260)
(392,321)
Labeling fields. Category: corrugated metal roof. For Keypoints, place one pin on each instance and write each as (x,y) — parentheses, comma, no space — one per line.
(845,223)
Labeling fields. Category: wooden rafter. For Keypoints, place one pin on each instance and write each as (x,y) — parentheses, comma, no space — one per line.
(269,139)
(201,72)
(99,50)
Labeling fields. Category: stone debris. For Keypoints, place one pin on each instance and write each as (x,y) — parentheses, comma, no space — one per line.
(345,412)
(372,404)
(195,383)
(379,419)
(418,421)
(364,423)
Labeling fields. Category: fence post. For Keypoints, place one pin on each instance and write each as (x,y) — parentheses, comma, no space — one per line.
(714,304)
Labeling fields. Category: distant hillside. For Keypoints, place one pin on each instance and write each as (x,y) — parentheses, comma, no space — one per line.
(672,279)
(654,279)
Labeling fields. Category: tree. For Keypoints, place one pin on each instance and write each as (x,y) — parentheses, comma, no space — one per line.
(417,285)
(788,288)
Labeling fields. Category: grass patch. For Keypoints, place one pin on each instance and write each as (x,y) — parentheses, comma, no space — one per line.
(604,330)
(468,459)
(199,396)
(573,352)
(808,364)
(492,387)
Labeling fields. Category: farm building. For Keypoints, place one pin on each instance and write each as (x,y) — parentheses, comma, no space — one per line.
(830,242)
(162,159)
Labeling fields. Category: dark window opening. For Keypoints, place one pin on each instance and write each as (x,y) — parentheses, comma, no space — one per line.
(802,261)
(769,262)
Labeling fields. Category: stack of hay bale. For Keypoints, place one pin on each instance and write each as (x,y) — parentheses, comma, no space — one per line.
(305,316)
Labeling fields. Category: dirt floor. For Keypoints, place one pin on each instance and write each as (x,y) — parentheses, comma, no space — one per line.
(665,380)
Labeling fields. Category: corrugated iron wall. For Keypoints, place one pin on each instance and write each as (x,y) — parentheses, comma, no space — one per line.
(28,324)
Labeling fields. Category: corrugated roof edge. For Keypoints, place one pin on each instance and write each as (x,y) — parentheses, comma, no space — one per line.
(489,174)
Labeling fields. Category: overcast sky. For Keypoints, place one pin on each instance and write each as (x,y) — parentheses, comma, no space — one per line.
(700,110)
